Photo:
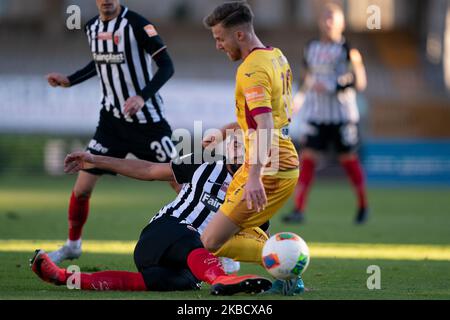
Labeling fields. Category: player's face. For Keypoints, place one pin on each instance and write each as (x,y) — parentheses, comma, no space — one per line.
(236,149)
(332,24)
(227,41)
(108,7)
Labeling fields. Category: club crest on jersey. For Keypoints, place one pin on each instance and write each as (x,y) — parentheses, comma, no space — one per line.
(211,202)
(117,38)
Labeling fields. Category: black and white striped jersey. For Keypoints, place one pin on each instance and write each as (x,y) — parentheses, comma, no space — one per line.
(328,62)
(122,51)
(204,189)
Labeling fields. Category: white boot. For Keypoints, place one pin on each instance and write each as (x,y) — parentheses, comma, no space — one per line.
(69,251)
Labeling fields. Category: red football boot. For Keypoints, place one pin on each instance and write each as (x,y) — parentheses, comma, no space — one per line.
(229,285)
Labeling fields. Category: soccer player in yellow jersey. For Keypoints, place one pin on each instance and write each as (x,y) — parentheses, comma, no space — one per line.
(263,108)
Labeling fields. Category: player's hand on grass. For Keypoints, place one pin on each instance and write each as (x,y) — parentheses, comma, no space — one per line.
(58,80)
(133,105)
(254,194)
(77,161)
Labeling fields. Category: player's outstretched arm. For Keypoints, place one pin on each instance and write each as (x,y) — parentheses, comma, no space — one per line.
(136,169)
(59,80)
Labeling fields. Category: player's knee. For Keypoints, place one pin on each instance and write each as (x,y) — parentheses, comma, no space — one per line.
(84,186)
(82,193)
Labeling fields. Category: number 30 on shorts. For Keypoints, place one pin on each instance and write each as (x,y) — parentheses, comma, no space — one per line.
(164,149)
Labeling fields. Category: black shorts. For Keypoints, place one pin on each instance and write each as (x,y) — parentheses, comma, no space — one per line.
(344,138)
(161,255)
(116,138)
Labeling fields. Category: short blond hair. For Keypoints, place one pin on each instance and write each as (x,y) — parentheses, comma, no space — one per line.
(230,14)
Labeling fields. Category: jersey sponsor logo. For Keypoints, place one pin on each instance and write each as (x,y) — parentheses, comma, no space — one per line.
(249,74)
(211,202)
(104,36)
(255,94)
(150,30)
(96,146)
(109,58)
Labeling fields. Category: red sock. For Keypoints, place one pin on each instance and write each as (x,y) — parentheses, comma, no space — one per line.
(356,175)
(78,213)
(113,280)
(204,265)
(306,177)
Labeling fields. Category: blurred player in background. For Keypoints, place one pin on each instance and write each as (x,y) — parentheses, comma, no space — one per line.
(123,46)
(263,107)
(335,72)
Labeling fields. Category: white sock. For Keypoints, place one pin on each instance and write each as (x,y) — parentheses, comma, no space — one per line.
(75,244)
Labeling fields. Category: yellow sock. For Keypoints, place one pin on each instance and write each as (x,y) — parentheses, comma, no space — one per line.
(245,246)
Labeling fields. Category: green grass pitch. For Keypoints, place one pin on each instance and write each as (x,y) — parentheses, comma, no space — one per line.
(412,225)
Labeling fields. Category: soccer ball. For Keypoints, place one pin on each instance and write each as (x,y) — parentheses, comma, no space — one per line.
(285,255)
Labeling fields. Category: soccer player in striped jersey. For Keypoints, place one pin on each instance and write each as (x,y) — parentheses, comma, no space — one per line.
(123,45)
(169,254)
(335,72)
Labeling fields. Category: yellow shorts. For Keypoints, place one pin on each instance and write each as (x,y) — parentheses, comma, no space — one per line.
(245,246)
(278,191)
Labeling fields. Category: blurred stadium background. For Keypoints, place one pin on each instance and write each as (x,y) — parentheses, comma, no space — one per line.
(406,109)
